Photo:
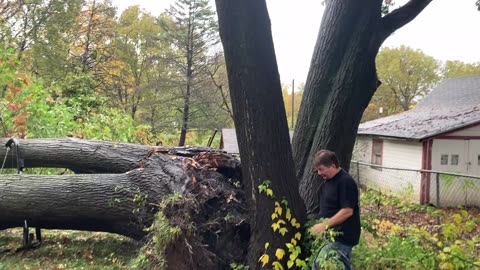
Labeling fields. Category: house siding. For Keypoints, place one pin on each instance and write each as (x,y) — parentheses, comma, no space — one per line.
(396,154)
(471,131)
(454,191)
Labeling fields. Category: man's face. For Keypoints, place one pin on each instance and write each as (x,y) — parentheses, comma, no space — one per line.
(327,172)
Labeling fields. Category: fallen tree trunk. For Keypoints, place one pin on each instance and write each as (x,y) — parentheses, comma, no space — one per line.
(87,156)
(117,203)
(212,214)
(78,155)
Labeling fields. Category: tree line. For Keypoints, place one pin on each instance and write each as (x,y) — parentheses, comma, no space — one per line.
(157,77)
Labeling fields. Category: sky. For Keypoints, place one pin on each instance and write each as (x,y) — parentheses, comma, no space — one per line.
(446,30)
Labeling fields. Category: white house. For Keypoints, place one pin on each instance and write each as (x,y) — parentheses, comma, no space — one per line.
(441,133)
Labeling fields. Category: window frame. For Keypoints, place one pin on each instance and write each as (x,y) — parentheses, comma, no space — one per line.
(441,159)
(377,156)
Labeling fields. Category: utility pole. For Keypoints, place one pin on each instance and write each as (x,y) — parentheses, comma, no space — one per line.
(293,102)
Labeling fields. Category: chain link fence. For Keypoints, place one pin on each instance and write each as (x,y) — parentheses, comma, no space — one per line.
(442,189)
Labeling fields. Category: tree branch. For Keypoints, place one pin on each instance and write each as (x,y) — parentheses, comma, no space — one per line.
(401,16)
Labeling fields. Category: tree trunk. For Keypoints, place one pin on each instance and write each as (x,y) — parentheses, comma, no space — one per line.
(78,155)
(126,203)
(96,202)
(78,202)
(186,100)
(341,81)
(117,203)
(185,116)
(260,120)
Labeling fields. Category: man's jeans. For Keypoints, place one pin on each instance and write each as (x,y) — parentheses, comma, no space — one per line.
(344,253)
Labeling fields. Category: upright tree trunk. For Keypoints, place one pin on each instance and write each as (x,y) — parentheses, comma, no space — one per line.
(186,100)
(341,81)
(260,119)
(185,115)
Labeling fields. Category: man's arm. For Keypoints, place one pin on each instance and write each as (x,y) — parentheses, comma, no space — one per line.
(337,219)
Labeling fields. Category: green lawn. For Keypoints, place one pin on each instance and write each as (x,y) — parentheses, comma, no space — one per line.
(69,250)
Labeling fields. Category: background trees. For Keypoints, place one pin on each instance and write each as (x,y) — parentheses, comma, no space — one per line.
(406,76)
(133,66)
(192,34)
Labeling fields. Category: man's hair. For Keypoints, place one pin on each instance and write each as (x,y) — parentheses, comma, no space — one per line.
(326,158)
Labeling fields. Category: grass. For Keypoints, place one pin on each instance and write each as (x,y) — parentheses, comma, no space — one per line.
(69,250)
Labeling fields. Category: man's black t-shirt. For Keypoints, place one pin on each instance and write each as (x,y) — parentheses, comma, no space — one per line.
(341,192)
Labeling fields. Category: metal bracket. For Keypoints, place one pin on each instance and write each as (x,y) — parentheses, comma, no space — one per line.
(18,154)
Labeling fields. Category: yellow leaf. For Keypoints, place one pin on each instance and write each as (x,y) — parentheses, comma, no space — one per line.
(293,241)
(279,253)
(275,226)
(298,236)
(293,221)
(281,221)
(277,265)
(267,244)
(283,231)
(264,259)
(270,192)
(290,264)
(278,210)
(274,216)
(288,215)
(297,225)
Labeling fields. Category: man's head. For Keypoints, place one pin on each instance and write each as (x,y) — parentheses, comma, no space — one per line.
(326,164)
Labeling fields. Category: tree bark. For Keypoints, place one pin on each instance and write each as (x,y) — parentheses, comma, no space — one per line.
(119,203)
(341,81)
(260,119)
(85,156)
(126,203)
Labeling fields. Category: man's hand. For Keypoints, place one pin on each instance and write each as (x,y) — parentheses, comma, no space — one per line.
(318,228)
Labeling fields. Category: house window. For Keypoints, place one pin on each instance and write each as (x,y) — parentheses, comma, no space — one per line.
(454,160)
(444,160)
(377,152)
(478,159)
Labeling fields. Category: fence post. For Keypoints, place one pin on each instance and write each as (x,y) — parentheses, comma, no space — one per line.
(358,174)
(437,180)
(438,189)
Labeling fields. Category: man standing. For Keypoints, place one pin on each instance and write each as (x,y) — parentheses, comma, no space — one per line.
(338,207)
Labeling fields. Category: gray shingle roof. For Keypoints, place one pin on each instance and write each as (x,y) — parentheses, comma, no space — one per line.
(453,104)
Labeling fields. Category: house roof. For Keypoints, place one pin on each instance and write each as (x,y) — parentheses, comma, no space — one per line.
(453,104)
(229,138)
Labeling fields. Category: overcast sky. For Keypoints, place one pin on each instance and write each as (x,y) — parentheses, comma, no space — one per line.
(446,30)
